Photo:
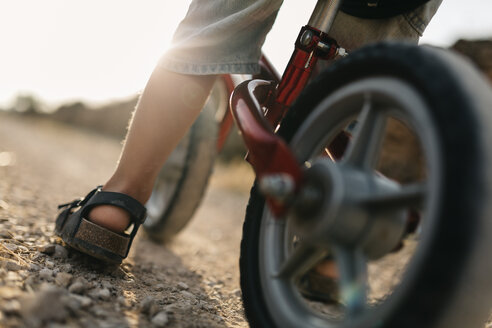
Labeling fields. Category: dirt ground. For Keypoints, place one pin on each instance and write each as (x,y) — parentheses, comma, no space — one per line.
(193,282)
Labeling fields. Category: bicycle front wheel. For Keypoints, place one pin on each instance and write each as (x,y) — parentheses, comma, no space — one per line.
(406,199)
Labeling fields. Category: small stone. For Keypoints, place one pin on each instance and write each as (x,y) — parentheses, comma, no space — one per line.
(63,279)
(73,304)
(84,300)
(66,268)
(47,305)
(77,287)
(91,276)
(47,249)
(187,294)
(34,267)
(49,264)
(182,286)
(60,252)
(99,312)
(159,287)
(46,274)
(148,306)
(106,284)
(77,302)
(207,307)
(160,319)
(11,247)
(171,308)
(12,266)
(38,256)
(18,237)
(184,306)
(103,294)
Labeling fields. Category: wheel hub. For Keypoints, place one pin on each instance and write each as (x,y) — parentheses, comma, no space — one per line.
(334,207)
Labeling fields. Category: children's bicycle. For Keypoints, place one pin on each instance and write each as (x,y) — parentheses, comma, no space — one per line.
(382,164)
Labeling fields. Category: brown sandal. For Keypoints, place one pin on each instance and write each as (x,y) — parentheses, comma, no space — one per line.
(78,232)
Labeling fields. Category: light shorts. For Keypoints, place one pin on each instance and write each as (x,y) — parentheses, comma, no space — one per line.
(226,36)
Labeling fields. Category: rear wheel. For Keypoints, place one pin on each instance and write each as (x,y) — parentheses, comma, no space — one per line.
(183,179)
(418,146)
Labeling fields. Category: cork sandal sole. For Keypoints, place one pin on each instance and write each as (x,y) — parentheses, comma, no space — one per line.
(99,242)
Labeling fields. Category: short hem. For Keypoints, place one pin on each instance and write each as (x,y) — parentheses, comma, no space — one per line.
(415,22)
(209,68)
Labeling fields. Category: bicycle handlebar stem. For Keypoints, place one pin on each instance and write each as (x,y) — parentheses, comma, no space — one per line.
(324,14)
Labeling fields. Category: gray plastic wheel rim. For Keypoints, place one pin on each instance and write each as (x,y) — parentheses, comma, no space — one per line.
(284,303)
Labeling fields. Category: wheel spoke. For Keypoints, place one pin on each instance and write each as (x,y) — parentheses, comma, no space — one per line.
(411,195)
(352,266)
(363,151)
(300,261)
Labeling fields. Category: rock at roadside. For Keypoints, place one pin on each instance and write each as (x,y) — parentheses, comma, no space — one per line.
(100,293)
(48,305)
(63,279)
(77,302)
(79,286)
(46,274)
(182,286)
(47,249)
(12,266)
(148,306)
(60,252)
(160,319)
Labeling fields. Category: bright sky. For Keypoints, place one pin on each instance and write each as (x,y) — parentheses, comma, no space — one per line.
(97,50)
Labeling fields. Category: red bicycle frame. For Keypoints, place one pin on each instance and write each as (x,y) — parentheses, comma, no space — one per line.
(259,105)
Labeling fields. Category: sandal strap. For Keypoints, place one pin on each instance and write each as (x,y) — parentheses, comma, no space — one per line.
(137,211)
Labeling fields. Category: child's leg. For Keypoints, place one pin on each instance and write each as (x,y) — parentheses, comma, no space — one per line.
(216,37)
(168,106)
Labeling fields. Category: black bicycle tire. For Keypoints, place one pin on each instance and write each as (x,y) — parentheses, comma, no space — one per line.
(464,134)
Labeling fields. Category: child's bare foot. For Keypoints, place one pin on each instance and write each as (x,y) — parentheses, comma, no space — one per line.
(321,283)
(327,268)
(110,217)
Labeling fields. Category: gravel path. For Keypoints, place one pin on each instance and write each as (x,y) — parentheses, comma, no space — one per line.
(191,283)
